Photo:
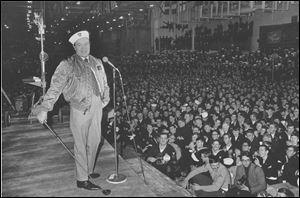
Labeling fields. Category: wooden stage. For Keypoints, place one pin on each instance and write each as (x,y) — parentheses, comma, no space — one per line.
(34,163)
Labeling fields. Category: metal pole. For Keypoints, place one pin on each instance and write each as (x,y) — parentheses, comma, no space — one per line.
(42,56)
(273,67)
(115,124)
(7,98)
(115,178)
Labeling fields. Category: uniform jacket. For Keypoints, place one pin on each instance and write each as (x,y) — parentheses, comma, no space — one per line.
(71,78)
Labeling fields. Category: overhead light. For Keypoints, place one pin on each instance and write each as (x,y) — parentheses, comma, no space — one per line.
(83,22)
(67,7)
(141,10)
(88,19)
(62,19)
(93,17)
(28,6)
(97,26)
(114,19)
(129,14)
(78,3)
(119,26)
(121,17)
(151,5)
(29,1)
(107,22)
(101,30)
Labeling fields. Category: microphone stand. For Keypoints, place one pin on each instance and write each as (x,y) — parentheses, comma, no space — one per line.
(128,118)
(115,178)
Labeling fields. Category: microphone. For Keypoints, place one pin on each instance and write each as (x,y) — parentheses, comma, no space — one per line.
(105,59)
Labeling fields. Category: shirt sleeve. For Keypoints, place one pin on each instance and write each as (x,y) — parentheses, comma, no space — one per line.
(217,183)
(58,82)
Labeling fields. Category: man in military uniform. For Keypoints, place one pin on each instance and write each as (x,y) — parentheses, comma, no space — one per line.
(82,80)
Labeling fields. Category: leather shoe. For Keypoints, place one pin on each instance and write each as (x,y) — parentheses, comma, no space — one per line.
(94,175)
(87,185)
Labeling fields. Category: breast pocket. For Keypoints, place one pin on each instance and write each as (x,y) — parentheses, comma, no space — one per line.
(73,87)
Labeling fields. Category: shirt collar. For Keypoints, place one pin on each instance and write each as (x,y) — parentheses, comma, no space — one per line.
(83,58)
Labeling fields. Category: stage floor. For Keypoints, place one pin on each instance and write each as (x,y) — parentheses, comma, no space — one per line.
(34,163)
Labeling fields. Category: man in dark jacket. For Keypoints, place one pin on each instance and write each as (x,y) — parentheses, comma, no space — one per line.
(290,167)
(83,82)
(268,164)
(254,142)
(237,138)
(162,156)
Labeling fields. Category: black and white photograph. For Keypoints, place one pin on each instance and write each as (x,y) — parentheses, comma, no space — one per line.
(149,98)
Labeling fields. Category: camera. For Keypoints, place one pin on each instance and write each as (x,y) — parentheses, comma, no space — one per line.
(242,180)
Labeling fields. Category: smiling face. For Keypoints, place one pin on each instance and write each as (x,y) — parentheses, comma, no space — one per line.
(82,47)
(163,139)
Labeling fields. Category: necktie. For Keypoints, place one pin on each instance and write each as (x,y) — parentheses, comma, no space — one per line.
(94,84)
(86,60)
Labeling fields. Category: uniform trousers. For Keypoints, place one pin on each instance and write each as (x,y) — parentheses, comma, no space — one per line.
(86,130)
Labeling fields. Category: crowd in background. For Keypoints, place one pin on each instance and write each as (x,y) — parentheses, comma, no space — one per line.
(228,102)
(206,38)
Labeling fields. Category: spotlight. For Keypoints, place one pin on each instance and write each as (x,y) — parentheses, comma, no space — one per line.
(141,10)
(107,22)
(114,19)
(78,3)
(121,17)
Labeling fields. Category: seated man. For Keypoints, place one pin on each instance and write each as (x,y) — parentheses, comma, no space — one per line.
(268,164)
(290,166)
(249,178)
(163,156)
(215,184)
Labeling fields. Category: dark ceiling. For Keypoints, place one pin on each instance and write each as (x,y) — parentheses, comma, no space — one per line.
(70,15)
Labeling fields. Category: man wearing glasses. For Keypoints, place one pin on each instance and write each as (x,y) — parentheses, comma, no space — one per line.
(250,178)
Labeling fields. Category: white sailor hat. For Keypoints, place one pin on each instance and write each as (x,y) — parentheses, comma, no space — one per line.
(79,35)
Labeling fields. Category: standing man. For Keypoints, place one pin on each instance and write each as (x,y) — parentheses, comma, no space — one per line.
(82,80)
